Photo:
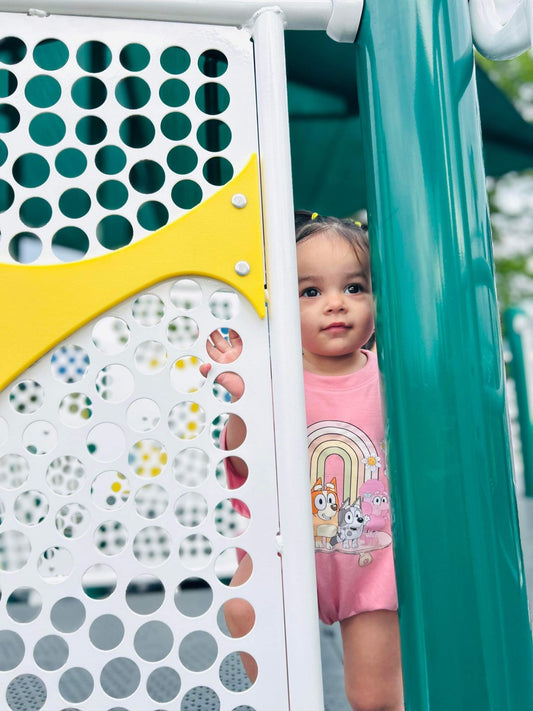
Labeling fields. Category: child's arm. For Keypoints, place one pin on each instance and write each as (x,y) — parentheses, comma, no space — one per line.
(225,351)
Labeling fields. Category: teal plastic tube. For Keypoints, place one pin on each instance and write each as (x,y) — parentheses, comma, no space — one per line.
(466,639)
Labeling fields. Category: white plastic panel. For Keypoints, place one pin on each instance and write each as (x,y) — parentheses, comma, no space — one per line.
(110,129)
(118,535)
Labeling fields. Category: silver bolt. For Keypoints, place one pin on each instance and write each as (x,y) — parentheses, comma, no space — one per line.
(242,268)
(239,200)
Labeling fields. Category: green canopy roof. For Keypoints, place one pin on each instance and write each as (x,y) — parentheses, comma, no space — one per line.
(326,142)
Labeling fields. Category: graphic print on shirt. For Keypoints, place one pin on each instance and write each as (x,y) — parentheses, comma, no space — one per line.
(346,466)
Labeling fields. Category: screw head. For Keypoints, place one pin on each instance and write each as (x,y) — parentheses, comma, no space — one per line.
(239,201)
(242,268)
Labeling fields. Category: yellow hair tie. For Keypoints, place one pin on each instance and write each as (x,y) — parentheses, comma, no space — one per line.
(357,223)
(314,215)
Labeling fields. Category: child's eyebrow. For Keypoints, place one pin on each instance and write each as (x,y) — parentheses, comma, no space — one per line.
(347,277)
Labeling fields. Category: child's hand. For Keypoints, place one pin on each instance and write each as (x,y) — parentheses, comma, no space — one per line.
(222,350)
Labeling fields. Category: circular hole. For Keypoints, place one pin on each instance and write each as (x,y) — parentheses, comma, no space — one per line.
(40,437)
(175,60)
(132,92)
(110,160)
(114,232)
(43,91)
(115,383)
(186,420)
(9,118)
(147,176)
(137,131)
(110,490)
(25,247)
(50,54)
(29,688)
(224,304)
(68,614)
(72,520)
(145,594)
(183,332)
(151,501)
(150,357)
(233,482)
(191,510)
(236,608)
(70,163)
(214,135)
(55,564)
(91,130)
(218,425)
(110,538)
(152,546)
(99,581)
(193,597)
(75,410)
(153,641)
(191,467)
(195,552)
(89,92)
(232,674)
(11,650)
(14,471)
(212,63)
(26,397)
(173,92)
(12,50)
(106,442)
(227,563)
(228,387)
(74,203)
(7,195)
(163,685)
(148,309)
(229,521)
(212,98)
(111,335)
(152,215)
(185,374)
(190,647)
(106,632)
(76,685)
(35,212)
(186,194)
(31,170)
(94,56)
(134,57)
(182,160)
(218,171)
(199,698)
(69,364)
(70,244)
(176,126)
(31,507)
(47,129)
(9,83)
(112,194)
(122,669)
(51,652)
(65,475)
(24,604)
(186,294)
(15,549)
(147,458)
(143,415)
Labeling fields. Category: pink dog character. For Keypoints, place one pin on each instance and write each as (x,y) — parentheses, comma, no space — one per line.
(375,503)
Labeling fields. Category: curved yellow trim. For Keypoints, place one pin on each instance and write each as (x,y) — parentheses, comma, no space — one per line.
(42,305)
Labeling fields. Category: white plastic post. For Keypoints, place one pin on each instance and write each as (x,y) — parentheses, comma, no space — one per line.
(502,29)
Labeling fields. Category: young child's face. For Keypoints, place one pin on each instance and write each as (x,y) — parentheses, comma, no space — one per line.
(336,305)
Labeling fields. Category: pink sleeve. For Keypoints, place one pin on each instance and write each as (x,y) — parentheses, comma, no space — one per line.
(235,480)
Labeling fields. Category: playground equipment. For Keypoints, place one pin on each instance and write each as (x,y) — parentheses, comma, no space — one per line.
(135,148)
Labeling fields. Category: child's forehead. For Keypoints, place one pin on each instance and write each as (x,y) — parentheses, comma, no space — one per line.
(316,248)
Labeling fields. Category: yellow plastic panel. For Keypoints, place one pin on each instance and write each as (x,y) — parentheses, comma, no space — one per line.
(44,304)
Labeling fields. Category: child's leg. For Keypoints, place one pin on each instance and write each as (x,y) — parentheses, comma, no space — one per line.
(240,617)
(372,661)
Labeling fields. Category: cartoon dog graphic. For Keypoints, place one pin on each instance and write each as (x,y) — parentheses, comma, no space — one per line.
(375,503)
(351,524)
(325,503)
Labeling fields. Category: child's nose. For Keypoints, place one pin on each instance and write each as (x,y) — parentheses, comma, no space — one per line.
(336,302)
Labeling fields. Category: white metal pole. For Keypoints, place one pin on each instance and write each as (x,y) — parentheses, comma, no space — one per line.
(298,567)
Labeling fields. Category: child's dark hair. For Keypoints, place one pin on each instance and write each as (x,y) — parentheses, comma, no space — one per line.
(355,234)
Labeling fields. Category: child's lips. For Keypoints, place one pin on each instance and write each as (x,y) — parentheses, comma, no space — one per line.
(336,328)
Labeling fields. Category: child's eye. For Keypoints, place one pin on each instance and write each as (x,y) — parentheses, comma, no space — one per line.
(354,289)
(310,292)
